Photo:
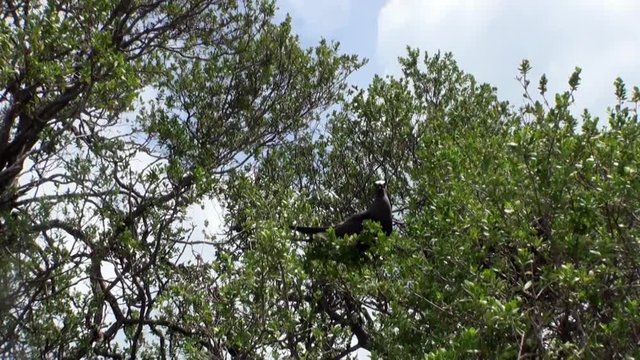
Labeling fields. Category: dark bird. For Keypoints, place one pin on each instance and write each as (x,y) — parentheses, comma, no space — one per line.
(379,210)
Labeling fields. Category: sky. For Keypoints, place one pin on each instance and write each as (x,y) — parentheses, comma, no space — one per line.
(488,38)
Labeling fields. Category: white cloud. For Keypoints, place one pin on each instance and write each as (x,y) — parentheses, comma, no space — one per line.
(489,38)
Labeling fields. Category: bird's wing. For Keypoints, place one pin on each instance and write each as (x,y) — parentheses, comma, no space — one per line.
(353,224)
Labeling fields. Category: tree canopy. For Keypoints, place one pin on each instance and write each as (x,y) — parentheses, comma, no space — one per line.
(515,228)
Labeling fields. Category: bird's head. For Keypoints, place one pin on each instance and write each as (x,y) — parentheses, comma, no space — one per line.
(380,187)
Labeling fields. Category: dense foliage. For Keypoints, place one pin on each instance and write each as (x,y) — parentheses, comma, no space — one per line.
(516,229)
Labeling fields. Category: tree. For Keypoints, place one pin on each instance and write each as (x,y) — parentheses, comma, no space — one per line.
(515,227)
(93,198)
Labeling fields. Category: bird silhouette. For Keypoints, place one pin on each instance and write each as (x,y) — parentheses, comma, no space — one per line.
(379,211)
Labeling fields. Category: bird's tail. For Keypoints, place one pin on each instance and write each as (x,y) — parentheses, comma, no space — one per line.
(308,229)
